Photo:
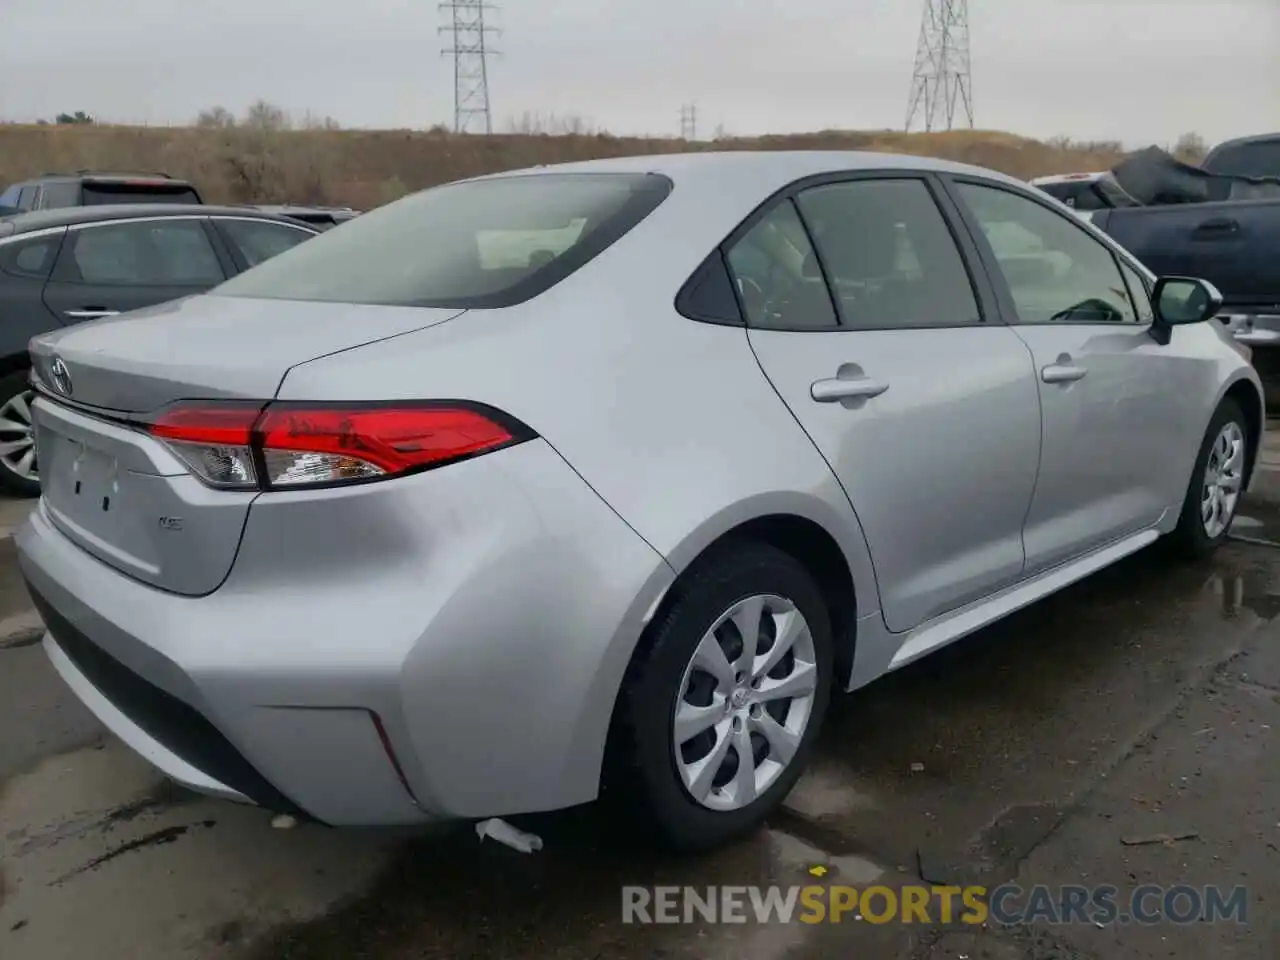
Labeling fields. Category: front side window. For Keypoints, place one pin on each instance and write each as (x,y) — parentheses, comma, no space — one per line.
(146,253)
(777,276)
(889,255)
(1056,272)
(475,244)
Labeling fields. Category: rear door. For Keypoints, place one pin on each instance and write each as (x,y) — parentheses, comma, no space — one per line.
(115,266)
(922,403)
(1118,408)
(253,241)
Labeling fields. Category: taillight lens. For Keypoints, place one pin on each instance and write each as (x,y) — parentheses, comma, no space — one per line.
(236,446)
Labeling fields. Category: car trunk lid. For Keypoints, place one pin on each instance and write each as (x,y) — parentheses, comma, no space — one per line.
(121,494)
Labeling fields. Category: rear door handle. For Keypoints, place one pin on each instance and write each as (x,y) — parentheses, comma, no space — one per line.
(1062,373)
(90,313)
(836,389)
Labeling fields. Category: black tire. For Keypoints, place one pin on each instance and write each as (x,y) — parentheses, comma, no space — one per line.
(13,483)
(641,778)
(1189,539)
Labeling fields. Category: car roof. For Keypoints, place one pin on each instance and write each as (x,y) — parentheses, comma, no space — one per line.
(70,216)
(760,166)
(107,176)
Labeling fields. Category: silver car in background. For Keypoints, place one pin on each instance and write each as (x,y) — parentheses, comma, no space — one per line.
(595,480)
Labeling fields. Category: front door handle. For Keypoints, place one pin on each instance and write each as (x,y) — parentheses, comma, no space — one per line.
(90,313)
(837,389)
(1062,373)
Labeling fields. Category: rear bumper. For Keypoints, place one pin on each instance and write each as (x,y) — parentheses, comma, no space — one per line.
(440,646)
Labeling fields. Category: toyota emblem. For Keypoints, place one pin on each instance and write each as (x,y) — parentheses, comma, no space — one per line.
(60,376)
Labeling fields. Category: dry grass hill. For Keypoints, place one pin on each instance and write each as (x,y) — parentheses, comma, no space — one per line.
(363,168)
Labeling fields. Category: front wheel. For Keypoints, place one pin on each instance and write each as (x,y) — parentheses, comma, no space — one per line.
(18,469)
(1217,482)
(723,701)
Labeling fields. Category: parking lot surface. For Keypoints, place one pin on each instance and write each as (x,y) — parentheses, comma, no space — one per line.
(1122,732)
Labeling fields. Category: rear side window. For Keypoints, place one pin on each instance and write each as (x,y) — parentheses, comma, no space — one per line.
(60,194)
(477,244)
(30,258)
(100,193)
(259,240)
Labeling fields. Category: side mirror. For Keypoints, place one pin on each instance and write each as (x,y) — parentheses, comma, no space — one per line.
(1182,300)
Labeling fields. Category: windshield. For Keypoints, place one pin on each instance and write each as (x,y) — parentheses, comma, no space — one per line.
(480,243)
(1258,158)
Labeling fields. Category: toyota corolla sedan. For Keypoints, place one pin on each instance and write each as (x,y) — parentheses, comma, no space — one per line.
(594,480)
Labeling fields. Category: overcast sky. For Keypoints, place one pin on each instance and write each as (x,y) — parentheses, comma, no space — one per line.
(1136,70)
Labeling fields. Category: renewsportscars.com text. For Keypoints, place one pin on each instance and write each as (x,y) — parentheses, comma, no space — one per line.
(1007,905)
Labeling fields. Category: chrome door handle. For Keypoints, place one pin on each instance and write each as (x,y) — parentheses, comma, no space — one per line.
(1062,373)
(836,389)
(90,314)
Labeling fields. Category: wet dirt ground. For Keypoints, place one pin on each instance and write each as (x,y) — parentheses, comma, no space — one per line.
(1074,743)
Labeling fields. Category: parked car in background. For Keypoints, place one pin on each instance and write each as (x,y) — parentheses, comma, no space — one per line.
(61,267)
(1224,227)
(597,479)
(322,218)
(85,188)
(1085,192)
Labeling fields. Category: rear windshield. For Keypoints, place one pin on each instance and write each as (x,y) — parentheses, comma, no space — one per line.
(1260,158)
(100,193)
(476,244)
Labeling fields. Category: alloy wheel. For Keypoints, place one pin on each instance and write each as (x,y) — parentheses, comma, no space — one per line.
(17,438)
(1223,480)
(745,702)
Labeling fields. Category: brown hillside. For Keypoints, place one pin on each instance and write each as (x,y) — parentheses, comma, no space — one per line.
(364,168)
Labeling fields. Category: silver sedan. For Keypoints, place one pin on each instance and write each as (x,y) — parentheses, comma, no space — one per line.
(595,480)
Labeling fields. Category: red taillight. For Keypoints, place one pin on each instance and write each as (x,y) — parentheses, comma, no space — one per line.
(239,446)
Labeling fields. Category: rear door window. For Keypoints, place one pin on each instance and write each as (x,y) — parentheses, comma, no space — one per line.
(145,253)
(476,244)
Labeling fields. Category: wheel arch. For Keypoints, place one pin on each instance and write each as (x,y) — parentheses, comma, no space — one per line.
(803,529)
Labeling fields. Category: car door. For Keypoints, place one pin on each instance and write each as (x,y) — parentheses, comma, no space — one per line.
(1116,406)
(865,319)
(110,267)
(253,241)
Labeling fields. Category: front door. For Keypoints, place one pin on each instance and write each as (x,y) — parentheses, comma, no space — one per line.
(111,267)
(864,318)
(1117,406)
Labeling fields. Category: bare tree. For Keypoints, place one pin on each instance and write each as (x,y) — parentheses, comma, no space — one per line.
(1191,148)
(262,115)
(216,118)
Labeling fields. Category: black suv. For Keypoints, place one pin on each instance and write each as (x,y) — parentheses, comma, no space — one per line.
(59,267)
(85,188)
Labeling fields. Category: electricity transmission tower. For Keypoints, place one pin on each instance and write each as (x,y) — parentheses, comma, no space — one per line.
(468,34)
(689,122)
(942,80)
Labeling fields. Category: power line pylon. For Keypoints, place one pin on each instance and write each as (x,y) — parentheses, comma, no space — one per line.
(468,35)
(942,80)
(689,122)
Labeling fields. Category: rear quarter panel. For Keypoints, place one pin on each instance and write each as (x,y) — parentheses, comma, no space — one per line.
(671,421)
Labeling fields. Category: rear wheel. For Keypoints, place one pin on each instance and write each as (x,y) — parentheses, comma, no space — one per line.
(722,703)
(1217,482)
(18,468)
